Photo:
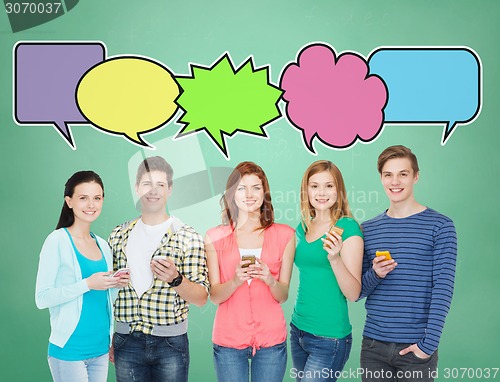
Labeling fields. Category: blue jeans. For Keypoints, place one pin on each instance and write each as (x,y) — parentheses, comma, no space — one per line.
(268,364)
(88,370)
(143,357)
(317,358)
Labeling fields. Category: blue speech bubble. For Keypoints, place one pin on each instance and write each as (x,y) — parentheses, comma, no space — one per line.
(430,85)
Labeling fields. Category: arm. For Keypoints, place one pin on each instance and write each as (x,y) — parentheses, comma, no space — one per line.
(347,267)
(370,279)
(278,288)
(47,293)
(445,256)
(193,293)
(114,243)
(221,292)
(194,286)
(375,274)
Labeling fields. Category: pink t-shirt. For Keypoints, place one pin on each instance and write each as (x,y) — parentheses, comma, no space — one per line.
(251,317)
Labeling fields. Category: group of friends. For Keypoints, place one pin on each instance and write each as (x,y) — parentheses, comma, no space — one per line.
(133,291)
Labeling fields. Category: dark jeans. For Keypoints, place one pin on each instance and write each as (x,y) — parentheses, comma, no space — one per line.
(142,357)
(381,361)
(317,358)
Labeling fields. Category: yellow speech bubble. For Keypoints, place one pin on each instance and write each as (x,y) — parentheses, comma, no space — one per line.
(128,96)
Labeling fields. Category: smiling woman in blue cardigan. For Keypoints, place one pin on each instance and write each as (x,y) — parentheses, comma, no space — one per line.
(74,282)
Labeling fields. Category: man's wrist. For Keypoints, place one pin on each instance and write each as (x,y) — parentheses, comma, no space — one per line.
(176,281)
(376,275)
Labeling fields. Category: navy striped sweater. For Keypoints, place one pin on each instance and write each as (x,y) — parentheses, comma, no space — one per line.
(411,303)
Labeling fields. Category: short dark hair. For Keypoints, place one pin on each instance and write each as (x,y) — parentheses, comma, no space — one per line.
(397,151)
(67,218)
(156,163)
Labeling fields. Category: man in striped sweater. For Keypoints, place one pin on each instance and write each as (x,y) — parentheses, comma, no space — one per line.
(408,296)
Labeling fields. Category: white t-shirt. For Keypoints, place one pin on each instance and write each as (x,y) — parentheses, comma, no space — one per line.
(143,241)
(250,252)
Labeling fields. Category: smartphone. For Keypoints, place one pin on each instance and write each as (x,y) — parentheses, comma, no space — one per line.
(339,231)
(122,271)
(386,254)
(248,257)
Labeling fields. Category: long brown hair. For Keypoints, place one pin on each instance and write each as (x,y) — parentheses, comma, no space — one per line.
(229,208)
(341,206)
(67,218)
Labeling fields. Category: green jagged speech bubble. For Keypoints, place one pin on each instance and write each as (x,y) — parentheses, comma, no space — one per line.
(223,101)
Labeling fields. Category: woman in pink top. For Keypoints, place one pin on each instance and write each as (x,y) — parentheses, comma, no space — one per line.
(250,261)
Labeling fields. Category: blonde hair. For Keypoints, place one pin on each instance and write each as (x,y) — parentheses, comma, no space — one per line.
(339,209)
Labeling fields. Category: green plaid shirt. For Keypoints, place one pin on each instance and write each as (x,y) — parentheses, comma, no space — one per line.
(160,304)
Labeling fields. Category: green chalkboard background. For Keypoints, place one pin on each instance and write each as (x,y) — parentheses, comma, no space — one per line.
(460,179)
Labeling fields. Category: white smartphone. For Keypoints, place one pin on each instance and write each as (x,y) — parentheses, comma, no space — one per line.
(122,271)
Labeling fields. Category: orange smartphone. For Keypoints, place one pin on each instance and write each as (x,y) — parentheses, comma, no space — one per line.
(386,254)
(248,257)
(339,231)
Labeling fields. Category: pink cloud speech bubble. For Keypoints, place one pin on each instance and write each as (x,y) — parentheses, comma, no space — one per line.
(333,98)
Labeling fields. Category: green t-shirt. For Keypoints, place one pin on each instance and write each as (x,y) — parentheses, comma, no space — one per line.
(321,308)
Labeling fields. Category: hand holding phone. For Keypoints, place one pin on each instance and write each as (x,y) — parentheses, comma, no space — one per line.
(386,254)
(121,271)
(383,263)
(339,231)
(246,258)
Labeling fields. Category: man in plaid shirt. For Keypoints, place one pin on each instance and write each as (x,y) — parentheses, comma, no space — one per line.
(168,271)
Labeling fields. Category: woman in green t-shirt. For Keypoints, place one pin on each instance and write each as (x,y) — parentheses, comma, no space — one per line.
(330,272)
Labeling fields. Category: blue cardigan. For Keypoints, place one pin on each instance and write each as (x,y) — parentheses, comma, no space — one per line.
(60,287)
